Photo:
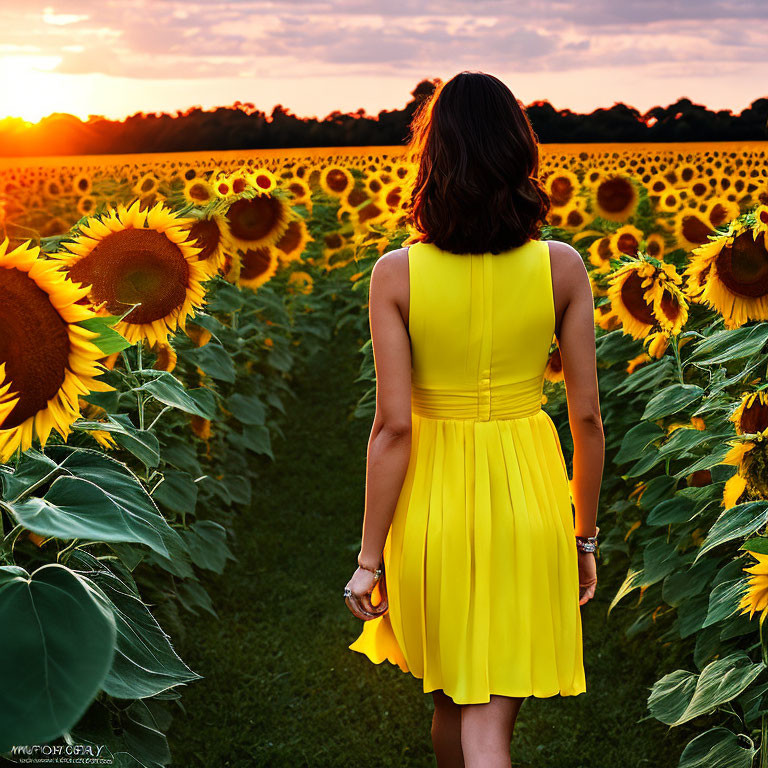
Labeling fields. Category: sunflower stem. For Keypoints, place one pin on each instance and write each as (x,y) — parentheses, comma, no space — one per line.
(140,395)
(676,350)
(154,421)
(763,740)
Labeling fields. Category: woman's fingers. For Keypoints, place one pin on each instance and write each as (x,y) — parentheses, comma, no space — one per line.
(587,592)
(369,607)
(353,603)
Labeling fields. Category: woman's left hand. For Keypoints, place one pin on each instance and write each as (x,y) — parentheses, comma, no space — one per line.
(361,584)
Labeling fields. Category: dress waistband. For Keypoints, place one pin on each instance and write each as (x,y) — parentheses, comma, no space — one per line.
(513,400)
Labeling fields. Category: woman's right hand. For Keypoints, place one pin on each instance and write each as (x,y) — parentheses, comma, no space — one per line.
(362,584)
(587,576)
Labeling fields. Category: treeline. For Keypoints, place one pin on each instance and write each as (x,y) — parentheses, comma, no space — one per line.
(242,126)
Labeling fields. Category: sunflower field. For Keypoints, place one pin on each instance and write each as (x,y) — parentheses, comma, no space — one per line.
(155,310)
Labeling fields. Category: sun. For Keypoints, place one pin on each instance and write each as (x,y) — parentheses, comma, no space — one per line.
(31,91)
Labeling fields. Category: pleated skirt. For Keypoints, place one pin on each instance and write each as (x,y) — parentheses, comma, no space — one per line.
(481,565)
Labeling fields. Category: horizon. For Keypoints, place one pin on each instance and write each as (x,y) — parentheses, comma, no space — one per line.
(84,58)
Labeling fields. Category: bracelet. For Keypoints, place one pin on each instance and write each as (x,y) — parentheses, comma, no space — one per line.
(587,543)
(375,571)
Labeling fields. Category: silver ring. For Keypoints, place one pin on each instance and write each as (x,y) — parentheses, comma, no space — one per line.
(347,592)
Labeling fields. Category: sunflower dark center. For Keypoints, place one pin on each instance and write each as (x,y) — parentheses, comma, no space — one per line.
(206,235)
(357,197)
(654,248)
(255,219)
(574,218)
(695,230)
(633,299)
(291,240)
(562,191)
(199,192)
(670,305)
(615,195)
(34,345)
(135,266)
(754,418)
(743,266)
(337,180)
(627,244)
(254,262)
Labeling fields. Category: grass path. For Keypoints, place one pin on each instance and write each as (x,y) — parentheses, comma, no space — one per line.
(280,686)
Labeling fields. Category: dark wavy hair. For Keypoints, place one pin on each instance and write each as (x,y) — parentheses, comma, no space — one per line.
(477,188)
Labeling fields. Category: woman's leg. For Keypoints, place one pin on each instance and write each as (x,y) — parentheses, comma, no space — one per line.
(446,731)
(486,731)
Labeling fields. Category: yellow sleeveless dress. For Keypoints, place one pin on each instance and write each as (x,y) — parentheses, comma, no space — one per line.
(480,560)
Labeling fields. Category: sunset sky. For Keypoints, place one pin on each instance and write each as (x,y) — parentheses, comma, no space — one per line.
(117,57)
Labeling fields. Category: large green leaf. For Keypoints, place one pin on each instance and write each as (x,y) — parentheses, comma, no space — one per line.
(671,400)
(207,542)
(56,647)
(145,663)
(731,344)
(660,558)
(101,500)
(33,470)
(213,360)
(735,523)
(682,584)
(680,696)
(142,443)
(177,492)
(724,600)
(678,509)
(718,748)
(636,441)
(108,340)
(169,390)
(247,409)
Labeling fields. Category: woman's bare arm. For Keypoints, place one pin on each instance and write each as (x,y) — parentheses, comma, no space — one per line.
(389,446)
(577,350)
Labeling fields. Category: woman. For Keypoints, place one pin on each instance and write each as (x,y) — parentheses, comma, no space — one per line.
(468,504)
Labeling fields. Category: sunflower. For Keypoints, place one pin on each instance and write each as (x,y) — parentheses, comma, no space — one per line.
(257,265)
(655,246)
(262,180)
(562,187)
(761,219)
(601,253)
(626,240)
(298,189)
(646,296)
(294,240)
(637,362)
(165,357)
(257,222)
(47,360)
(146,185)
(210,234)
(692,228)
(198,191)
(615,197)
(750,482)
(129,256)
(730,274)
(336,180)
(751,415)
(756,596)
(554,370)
(302,280)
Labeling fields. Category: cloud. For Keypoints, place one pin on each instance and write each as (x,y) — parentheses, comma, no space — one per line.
(162,39)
